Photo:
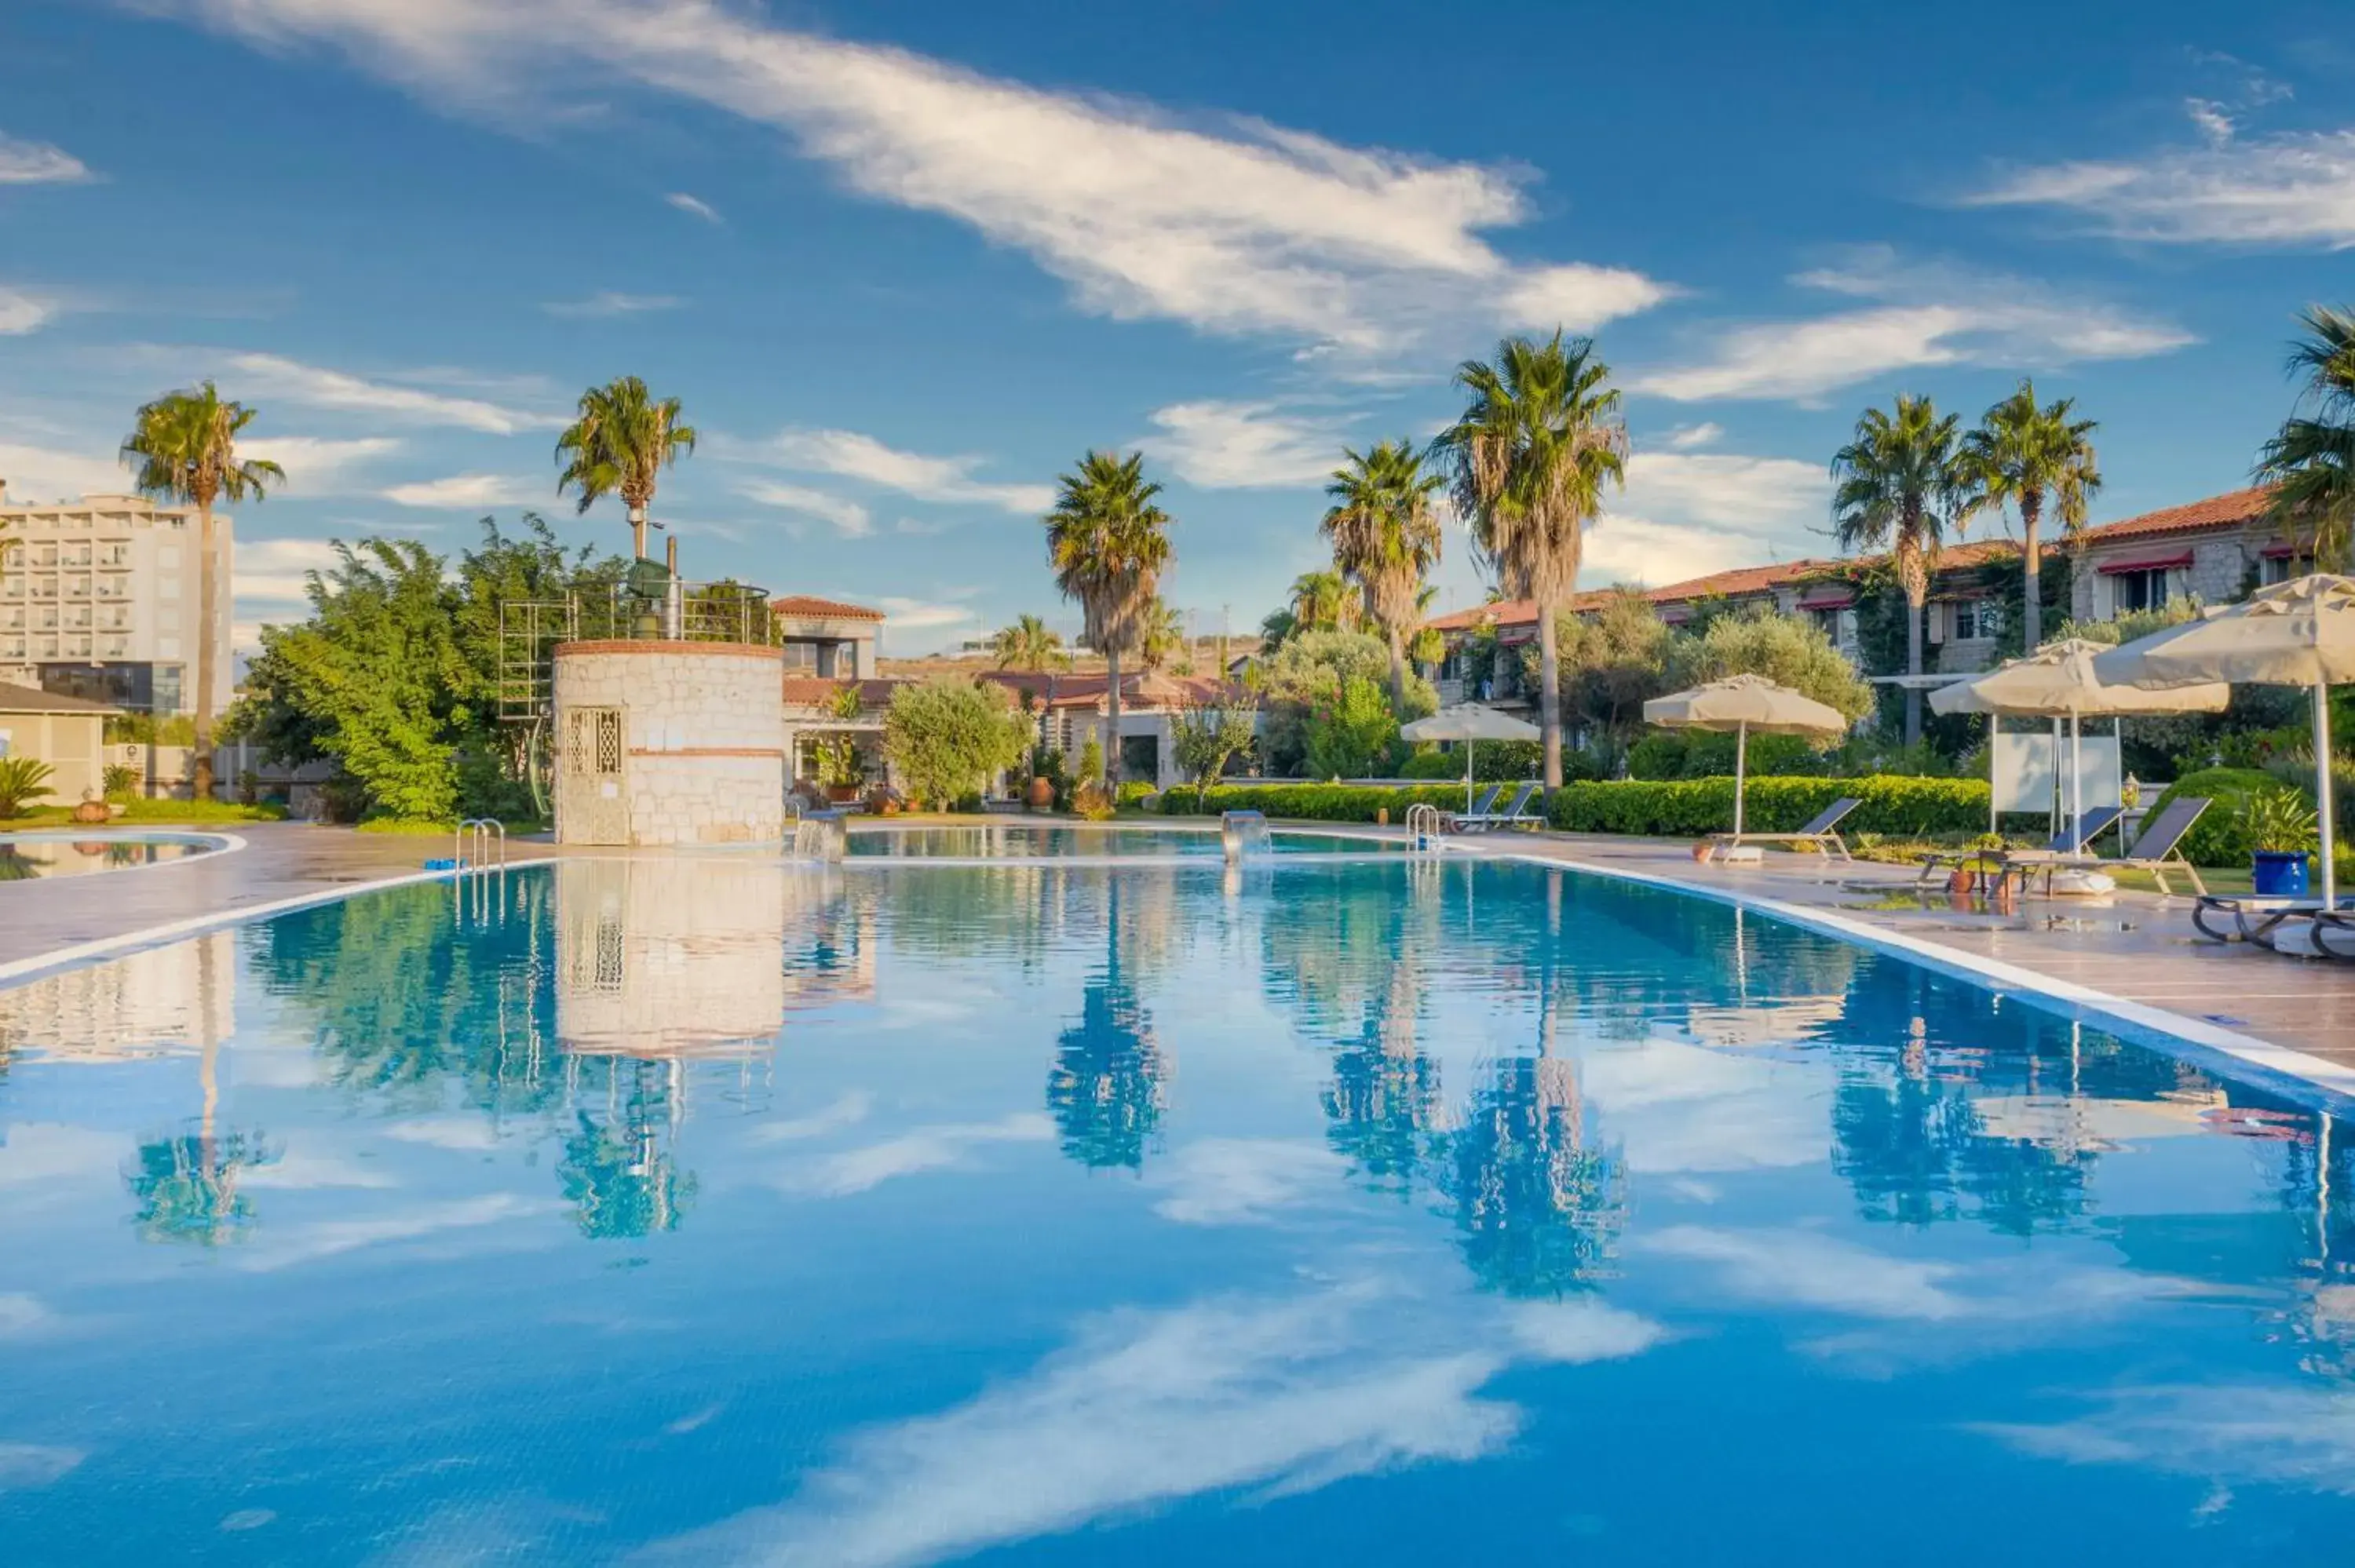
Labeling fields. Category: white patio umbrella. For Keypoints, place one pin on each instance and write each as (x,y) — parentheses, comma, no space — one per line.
(1738,706)
(1469,723)
(2298,634)
(2059,680)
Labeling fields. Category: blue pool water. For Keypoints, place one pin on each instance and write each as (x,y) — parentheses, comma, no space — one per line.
(1330,1211)
(1004,841)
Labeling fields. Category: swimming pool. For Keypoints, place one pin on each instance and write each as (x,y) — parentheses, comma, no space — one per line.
(24,856)
(1018,840)
(1332,1210)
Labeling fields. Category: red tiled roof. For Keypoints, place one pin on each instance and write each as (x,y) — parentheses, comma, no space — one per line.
(832,609)
(2242,506)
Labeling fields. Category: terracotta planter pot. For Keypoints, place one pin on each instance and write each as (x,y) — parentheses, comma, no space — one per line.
(1041,794)
(843,794)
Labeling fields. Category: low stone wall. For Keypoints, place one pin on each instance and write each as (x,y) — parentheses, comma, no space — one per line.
(668,743)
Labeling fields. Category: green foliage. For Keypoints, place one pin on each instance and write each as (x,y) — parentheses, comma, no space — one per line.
(1895,805)
(23,781)
(1698,754)
(2280,822)
(120,782)
(2311,460)
(151,729)
(1311,671)
(1789,649)
(947,737)
(1311,802)
(1206,736)
(1350,735)
(1612,662)
(1493,761)
(2222,836)
(1091,761)
(622,440)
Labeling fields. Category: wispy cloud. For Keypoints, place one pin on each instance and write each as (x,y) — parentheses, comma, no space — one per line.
(920,1150)
(949,480)
(2292,189)
(273,573)
(694,206)
(22,310)
(1244,1180)
(39,163)
(315,387)
(1925,316)
(1687,438)
(848,518)
(320,465)
(1246,445)
(2295,1435)
(49,473)
(462,490)
(1684,513)
(1231,225)
(607,303)
(921,615)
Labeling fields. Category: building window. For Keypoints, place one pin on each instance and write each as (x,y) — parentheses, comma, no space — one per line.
(114,553)
(2139,590)
(2283,569)
(802,657)
(1977,617)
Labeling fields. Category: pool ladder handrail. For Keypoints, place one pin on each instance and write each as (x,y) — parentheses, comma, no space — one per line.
(1423,827)
(481,835)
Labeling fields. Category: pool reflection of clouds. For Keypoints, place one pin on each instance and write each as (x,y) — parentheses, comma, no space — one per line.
(919,1150)
(2291,1436)
(1243,1181)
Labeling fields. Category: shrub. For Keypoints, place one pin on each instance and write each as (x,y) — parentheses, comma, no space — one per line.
(1493,762)
(23,781)
(1894,805)
(2221,837)
(946,737)
(2279,821)
(120,782)
(1351,736)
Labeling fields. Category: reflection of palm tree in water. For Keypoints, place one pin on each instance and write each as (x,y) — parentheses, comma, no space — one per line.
(620,1179)
(186,1186)
(1104,1089)
(1385,1096)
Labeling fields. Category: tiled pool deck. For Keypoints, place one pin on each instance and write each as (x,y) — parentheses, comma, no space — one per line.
(2135,947)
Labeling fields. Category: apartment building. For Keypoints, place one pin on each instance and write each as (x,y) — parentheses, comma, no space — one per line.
(98,599)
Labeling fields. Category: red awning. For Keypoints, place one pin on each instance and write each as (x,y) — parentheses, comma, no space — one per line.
(2287,552)
(2147,563)
(1828,599)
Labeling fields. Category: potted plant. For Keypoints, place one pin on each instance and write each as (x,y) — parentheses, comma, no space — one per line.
(2282,833)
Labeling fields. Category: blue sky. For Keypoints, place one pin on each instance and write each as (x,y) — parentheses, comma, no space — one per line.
(904,262)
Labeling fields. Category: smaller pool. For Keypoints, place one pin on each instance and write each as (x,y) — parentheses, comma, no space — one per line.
(1017,841)
(24,856)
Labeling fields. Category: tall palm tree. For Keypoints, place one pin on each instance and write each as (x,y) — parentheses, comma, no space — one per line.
(1537,442)
(2020,454)
(1109,543)
(1161,639)
(1898,486)
(183,447)
(2312,459)
(622,441)
(1028,644)
(1321,601)
(1385,535)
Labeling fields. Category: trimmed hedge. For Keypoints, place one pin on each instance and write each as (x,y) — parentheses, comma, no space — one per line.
(1893,805)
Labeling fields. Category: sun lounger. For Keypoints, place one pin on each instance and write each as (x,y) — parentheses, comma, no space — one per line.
(2058,850)
(1456,821)
(1481,821)
(2270,922)
(1818,834)
(2157,849)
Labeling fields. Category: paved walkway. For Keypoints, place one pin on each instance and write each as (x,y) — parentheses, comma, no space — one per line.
(2133,945)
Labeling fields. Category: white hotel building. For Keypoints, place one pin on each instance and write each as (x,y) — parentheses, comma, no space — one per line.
(98,599)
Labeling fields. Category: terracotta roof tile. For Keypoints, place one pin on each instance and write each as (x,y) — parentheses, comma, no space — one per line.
(2242,506)
(832,609)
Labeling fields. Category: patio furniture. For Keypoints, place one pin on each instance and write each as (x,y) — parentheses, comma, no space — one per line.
(1819,833)
(1480,821)
(1457,821)
(2157,847)
(1738,706)
(2302,928)
(1470,723)
(2004,863)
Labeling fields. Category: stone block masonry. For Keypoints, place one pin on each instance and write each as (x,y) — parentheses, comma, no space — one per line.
(668,743)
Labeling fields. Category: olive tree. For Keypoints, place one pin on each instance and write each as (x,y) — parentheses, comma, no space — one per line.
(947,739)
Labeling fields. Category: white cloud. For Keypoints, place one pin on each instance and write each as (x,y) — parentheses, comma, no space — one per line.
(607,303)
(1240,1181)
(949,480)
(1728,490)
(22,311)
(462,490)
(2286,1435)
(920,1150)
(318,465)
(298,1244)
(1246,446)
(271,573)
(2293,189)
(917,615)
(45,473)
(1806,1268)
(694,207)
(23,1465)
(315,386)
(39,163)
(845,1111)
(1929,316)
(850,519)
(1231,225)
(1688,437)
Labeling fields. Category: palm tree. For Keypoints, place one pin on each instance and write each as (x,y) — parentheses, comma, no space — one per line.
(1538,441)
(1108,544)
(2020,454)
(1028,644)
(1897,489)
(1321,601)
(1385,536)
(622,441)
(183,447)
(2312,460)
(1161,639)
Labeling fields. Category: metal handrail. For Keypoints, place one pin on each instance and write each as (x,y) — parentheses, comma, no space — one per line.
(480,834)
(1423,826)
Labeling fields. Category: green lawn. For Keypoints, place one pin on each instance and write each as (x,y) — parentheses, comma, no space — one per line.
(156,813)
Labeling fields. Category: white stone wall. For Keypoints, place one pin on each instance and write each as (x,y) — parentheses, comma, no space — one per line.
(703,741)
(666,956)
(2220,565)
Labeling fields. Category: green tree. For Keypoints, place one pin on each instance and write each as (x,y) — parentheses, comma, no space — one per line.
(1321,601)
(1538,443)
(1309,671)
(183,447)
(1786,648)
(947,737)
(1108,544)
(2021,453)
(1385,537)
(1897,489)
(1350,735)
(1162,642)
(1028,644)
(1206,736)
(620,444)
(186,1187)
(2311,461)
(23,781)
(1614,660)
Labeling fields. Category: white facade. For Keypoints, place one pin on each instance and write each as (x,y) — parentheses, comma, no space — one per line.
(668,743)
(98,597)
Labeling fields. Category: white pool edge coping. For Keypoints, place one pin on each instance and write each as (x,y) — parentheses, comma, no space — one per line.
(230,844)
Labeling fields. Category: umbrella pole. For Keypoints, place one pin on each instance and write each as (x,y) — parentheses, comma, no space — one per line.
(1468,744)
(2076,785)
(1995,729)
(2324,816)
(1740,769)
